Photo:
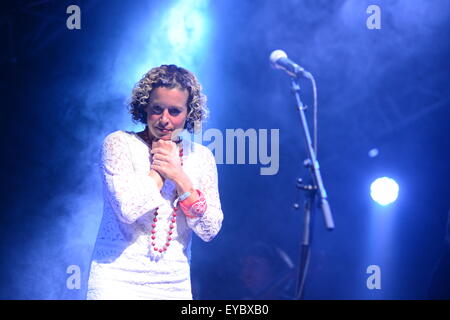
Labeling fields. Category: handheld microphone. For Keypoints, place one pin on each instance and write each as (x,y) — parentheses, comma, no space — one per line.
(279,60)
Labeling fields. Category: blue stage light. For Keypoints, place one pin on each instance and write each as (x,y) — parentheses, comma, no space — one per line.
(373,153)
(384,191)
(186,26)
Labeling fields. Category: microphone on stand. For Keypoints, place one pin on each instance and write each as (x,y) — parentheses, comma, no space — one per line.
(316,190)
(280,60)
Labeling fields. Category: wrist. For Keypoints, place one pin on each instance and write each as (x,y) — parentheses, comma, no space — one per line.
(184,184)
(194,206)
(157,177)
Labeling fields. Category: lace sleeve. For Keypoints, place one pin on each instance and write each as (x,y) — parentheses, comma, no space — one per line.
(208,226)
(131,195)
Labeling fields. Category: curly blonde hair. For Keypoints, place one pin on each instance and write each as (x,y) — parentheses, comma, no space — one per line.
(170,76)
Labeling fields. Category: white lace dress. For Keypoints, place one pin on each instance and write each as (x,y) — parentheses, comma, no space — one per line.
(123,265)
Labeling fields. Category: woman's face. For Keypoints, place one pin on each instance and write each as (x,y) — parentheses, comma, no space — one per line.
(166,112)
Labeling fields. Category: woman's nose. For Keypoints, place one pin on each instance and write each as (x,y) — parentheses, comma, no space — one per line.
(164,117)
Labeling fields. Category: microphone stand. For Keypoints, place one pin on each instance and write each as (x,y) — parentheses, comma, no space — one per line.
(314,192)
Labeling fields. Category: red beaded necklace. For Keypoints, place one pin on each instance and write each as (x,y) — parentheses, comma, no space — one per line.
(172,224)
(173,218)
(169,233)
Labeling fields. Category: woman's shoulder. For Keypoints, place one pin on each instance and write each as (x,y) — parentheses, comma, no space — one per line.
(118,135)
(199,150)
(195,147)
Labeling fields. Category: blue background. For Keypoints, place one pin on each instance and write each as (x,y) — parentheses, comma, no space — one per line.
(64,90)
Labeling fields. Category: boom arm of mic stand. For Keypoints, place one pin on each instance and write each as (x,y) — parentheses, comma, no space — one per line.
(315,168)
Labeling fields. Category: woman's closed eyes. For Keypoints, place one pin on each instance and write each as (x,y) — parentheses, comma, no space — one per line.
(173,111)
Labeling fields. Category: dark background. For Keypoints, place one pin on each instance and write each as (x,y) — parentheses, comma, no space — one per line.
(64,90)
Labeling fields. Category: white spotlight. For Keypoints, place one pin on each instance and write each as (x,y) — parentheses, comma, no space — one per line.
(384,190)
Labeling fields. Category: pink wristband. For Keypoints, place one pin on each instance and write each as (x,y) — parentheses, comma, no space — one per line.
(194,209)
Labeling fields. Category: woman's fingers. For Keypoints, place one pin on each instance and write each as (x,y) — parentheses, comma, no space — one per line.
(165,161)
(162,154)
(166,145)
(160,151)
(161,157)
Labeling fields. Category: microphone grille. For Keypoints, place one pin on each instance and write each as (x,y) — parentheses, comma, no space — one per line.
(276,55)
